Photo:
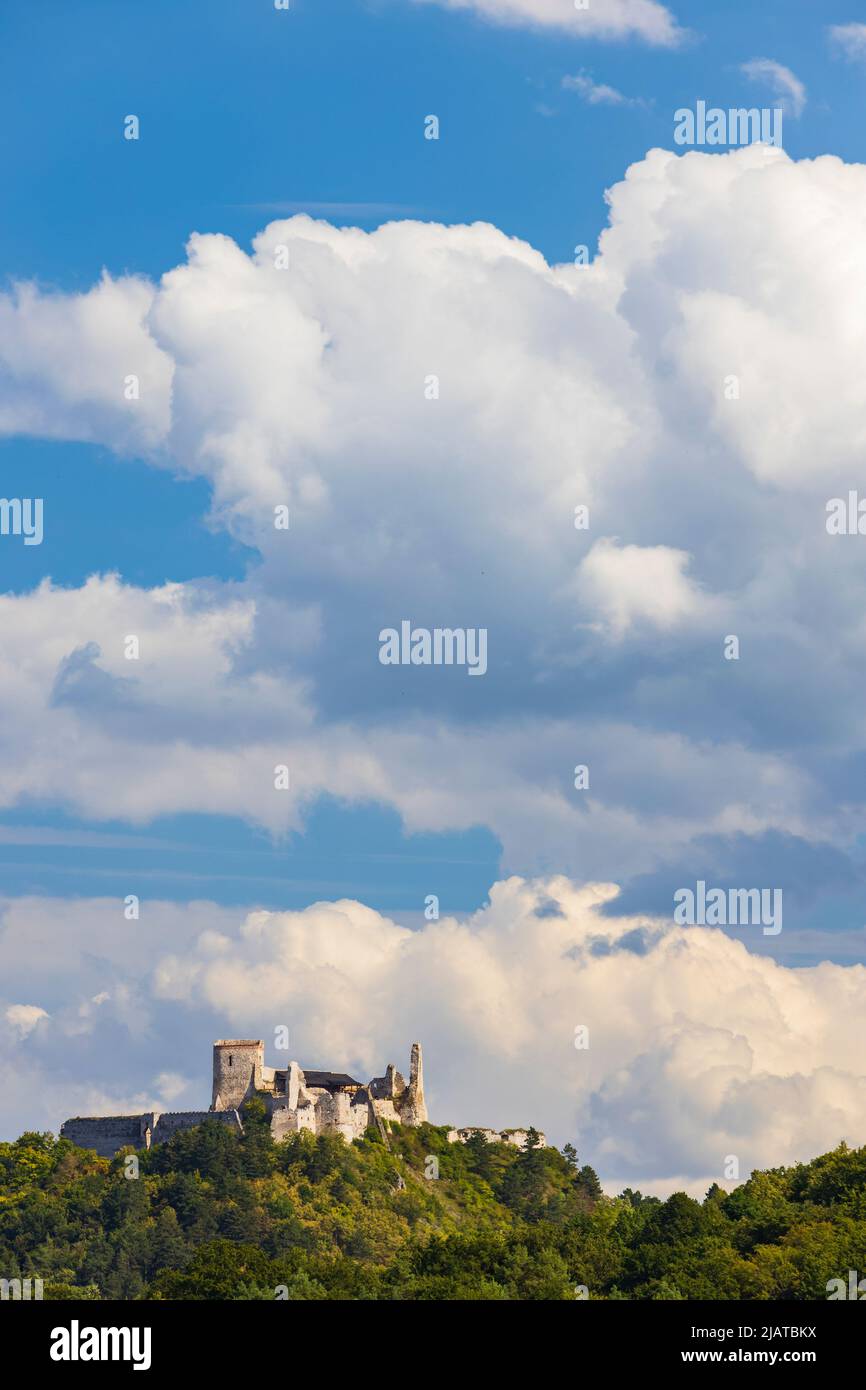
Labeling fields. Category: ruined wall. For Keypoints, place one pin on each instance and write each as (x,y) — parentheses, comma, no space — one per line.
(516,1137)
(361,1116)
(338,1115)
(106,1133)
(283,1123)
(396,1100)
(386,1110)
(286,1121)
(170,1121)
(320,1112)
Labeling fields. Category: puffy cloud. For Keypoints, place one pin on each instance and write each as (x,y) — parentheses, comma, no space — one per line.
(697,1048)
(602,19)
(141,734)
(24,1017)
(65,361)
(694,387)
(783,83)
(739,320)
(631,583)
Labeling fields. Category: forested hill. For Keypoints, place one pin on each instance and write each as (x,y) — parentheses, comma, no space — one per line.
(214,1216)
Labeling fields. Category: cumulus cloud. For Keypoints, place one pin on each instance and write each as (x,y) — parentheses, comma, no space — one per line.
(66,360)
(601,19)
(782,82)
(631,584)
(697,1048)
(138,731)
(693,387)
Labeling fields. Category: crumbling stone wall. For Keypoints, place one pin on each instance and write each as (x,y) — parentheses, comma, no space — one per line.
(517,1137)
(107,1133)
(171,1121)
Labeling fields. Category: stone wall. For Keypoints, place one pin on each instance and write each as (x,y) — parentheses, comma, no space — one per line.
(515,1137)
(386,1111)
(170,1121)
(396,1100)
(106,1133)
(518,1138)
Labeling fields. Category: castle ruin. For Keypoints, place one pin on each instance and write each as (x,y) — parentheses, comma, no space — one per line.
(322,1102)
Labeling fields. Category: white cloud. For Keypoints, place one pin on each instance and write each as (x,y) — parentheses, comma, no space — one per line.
(785,86)
(24,1017)
(631,584)
(146,733)
(601,19)
(596,93)
(559,385)
(65,360)
(698,1049)
(190,727)
(851,38)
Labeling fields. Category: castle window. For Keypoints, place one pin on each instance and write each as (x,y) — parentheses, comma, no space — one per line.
(231,1060)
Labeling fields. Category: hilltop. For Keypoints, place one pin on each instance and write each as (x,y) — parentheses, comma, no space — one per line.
(217,1215)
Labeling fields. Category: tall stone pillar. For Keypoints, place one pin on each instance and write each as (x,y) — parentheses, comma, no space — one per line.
(294,1082)
(417,1104)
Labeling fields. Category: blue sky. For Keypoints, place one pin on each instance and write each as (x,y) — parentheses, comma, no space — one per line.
(559,386)
(244,107)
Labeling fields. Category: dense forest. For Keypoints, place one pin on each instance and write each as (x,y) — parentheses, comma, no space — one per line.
(211,1215)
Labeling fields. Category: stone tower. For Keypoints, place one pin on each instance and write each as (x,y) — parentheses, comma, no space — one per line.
(237,1071)
(416,1109)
